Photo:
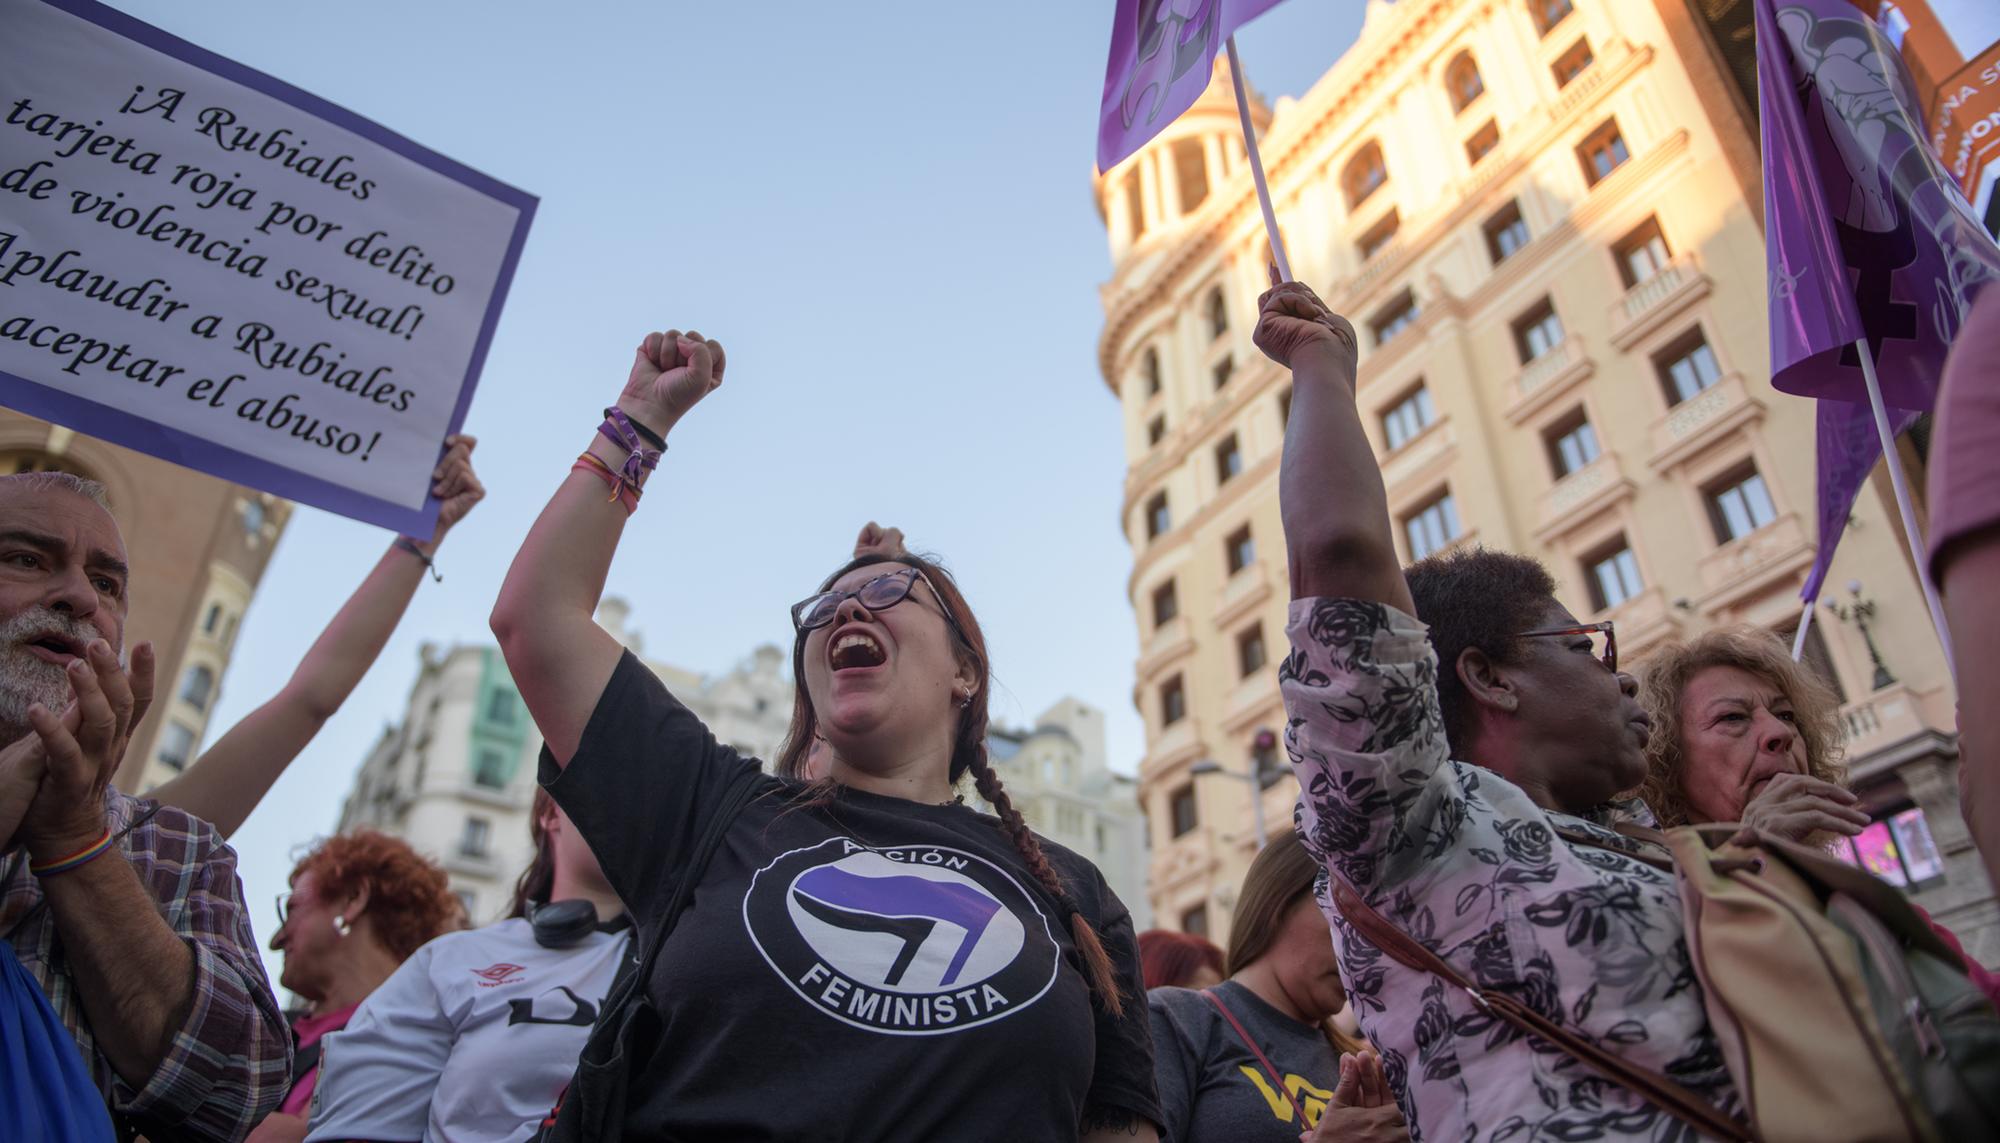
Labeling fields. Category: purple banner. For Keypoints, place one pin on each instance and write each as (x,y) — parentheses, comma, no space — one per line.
(1162,53)
(1867,232)
(1848,449)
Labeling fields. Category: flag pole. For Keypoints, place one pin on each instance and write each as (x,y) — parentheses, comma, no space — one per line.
(1799,639)
(1900,483)
(1257,164)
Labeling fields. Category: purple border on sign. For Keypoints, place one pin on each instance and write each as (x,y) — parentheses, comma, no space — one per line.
(195,452)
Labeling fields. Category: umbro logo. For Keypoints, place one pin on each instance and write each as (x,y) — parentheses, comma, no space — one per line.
(494,975)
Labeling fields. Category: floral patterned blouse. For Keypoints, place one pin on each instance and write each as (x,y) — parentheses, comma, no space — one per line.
(1463,861)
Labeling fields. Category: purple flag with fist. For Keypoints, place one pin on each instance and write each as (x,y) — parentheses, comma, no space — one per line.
(1162,52)
(1866,237)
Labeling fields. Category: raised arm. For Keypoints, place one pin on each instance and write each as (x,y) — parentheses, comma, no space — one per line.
(232,776)
(558,655)
(1338,538)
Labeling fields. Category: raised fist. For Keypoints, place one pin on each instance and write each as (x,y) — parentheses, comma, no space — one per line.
(671,372)
(1294,325)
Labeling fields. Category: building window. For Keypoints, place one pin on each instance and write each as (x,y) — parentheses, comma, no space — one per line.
(491,770)
(1364,175)
(1195,921)
(1895,25)
(1149,368)
(1614,575)
(1738,505)
(1191,173)
(1242,550)
(1431,527)
(1173,701)
(1223,370)
(1537,331)
(1482,142)
(1506,232)
(1157,518)
(176,746)
(229,631)
(1101,839)
(1412,415)
(1602,152)
(1572,443)
(500,708)
(1182,811)
(1394,318)
(1548,13)
(477,836)
(1228,459)
(1686,368)
(1156,430)
(1571,63)
(1135,205)
(1218,313)
(1250,650)
(468,901)
(1378,236)
(1462,82)
(1166,604)
(197,687)
(1897,848)
(1641,253)
(210,620)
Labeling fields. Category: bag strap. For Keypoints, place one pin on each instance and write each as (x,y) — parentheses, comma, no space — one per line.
(1277,1080)
(1657,1089)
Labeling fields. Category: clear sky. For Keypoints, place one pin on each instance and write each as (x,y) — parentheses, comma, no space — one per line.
(883,212)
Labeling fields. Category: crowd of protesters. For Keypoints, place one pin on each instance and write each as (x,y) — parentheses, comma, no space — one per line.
(1480,928)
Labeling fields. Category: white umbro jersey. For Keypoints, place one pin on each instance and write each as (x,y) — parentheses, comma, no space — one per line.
(472,1039)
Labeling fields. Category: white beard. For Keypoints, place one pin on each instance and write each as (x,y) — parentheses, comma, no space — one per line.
(25,679)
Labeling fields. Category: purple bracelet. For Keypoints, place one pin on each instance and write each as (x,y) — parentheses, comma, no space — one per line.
(617,428)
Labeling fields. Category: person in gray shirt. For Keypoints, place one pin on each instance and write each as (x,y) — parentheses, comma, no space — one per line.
(1257,1057)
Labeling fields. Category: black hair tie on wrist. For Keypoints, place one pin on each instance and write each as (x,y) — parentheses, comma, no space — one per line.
(645,433)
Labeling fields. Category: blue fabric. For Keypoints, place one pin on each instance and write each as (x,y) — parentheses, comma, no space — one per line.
(45,1091)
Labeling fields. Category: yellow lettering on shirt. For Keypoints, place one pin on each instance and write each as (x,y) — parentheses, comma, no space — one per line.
(1312,1099)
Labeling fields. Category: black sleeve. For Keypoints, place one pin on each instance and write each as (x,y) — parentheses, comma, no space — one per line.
(641,784)
(1176,1066)
(1123,1077)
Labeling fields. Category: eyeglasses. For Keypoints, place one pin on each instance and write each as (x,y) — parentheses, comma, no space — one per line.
(1608,656)
(284,908)
(878,594)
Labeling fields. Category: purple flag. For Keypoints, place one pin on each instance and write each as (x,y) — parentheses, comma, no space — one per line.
(1162,53)
(1866,236)
(1866,232)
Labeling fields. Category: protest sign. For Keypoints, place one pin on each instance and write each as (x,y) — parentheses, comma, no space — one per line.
(204,263)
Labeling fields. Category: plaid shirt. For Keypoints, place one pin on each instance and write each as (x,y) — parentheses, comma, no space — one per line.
(231,1062)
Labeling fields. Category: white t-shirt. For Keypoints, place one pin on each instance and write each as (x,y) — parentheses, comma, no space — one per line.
(473,1038)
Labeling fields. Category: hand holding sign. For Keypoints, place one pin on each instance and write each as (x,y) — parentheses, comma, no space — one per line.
(454,485)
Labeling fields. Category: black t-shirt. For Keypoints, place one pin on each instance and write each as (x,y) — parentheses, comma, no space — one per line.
(871,968)
(1213,1090)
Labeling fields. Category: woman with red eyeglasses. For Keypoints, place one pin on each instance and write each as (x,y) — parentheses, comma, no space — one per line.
(893,963)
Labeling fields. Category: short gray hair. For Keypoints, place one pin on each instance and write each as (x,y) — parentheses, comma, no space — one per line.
(69,482)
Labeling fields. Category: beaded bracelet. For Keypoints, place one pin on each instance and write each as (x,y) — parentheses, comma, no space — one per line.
(622,492)
(81,857)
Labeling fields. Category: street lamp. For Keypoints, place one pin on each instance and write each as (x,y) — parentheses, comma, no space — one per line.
(1261,746)
(1859,613)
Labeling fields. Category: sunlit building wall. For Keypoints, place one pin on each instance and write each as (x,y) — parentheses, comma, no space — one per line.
(1542,222)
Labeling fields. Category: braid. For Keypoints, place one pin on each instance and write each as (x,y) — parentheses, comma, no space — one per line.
(1097,965)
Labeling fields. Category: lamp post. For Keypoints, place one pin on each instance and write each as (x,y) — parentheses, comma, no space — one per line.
(1859,613)
(1261,747)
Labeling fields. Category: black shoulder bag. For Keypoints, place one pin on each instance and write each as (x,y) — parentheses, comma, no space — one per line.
(628,1029)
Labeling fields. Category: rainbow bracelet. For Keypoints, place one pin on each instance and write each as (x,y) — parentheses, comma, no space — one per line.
(81,857)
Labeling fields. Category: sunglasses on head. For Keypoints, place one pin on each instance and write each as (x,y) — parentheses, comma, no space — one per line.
(884,591)
(1609,656)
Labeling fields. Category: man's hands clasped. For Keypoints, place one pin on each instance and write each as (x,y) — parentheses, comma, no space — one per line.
(75,753)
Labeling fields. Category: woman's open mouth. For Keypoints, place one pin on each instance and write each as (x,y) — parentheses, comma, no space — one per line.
(855,651)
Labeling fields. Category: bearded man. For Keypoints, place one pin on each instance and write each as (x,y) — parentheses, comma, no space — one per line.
(129,914)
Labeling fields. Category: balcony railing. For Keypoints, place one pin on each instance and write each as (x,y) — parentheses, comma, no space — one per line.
(1419,454)
(1695,422)
(1879,720)
(1657,299)
(1750,563)
(1578,496)
(1547,377)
